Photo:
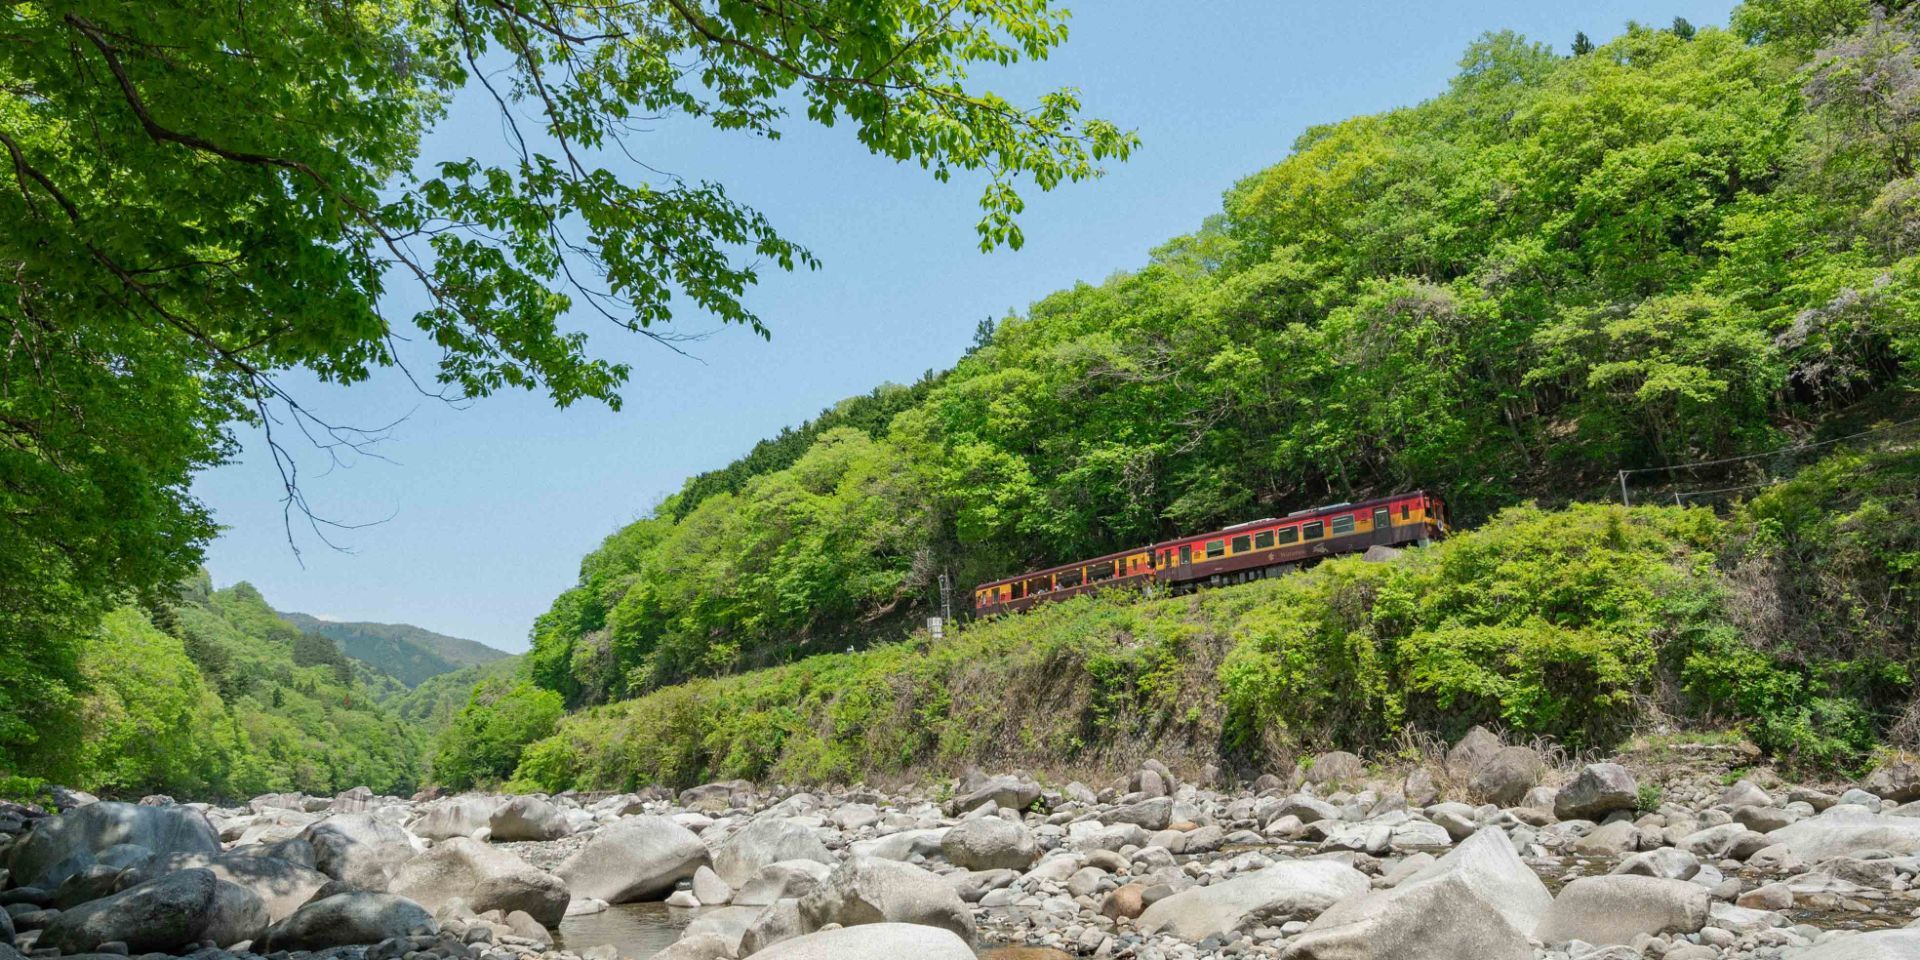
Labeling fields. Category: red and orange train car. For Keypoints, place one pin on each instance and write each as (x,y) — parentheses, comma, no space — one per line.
(1244,551)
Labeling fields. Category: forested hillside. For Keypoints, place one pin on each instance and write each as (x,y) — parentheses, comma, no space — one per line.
(1679,246)
(210,693)
(403,651)
(1789,621)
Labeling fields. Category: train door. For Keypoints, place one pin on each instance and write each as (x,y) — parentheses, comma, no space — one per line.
(1382,526)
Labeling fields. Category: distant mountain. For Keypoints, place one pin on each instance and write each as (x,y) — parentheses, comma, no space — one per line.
(410,654)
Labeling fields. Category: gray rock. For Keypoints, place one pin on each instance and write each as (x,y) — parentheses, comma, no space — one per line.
(1505,777)
(784,880)
(1336,768)
(1671,863)
(162,915)
(528,818)
(1616,909)
(461,816)
(1600,789)
(881,941)
(1473,750)
(55,848)
(1152,814)
(357,849)
(1420,788)
(710,890)
(1898,780)
(1015,792)
(990,843)
(1609,840)
(1292,889)
(354,917)
(354,800)
(729,924)
(637,858)
(1846,830)
(1439,919)
(904,845)
(778,923)
(1878,945)
(485,877)
(867,891)
(281,884)
(764,841)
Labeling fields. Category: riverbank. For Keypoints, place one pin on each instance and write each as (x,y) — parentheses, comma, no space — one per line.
(1674,850)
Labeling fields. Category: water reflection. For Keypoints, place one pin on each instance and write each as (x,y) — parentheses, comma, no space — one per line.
(637,930)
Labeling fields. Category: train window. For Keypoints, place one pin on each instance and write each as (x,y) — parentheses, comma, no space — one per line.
(1070,578)
(1263,540)
(1216,548)
(1186,553)
(1242,543)
(1406,510)
(1099,571)
(1313,531)
(1289,535)
(1379,518)
(1343,524)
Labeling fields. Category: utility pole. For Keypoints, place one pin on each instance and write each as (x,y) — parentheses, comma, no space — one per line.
(1624,498)
(946,596)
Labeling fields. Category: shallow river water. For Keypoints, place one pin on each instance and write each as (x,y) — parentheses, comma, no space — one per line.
(640,930)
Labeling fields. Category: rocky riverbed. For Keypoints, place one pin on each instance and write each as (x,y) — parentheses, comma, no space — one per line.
(1487,852)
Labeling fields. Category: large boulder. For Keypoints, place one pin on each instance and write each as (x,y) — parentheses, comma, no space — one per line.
(1444,919)
(1505,777)
(764,841)
(1897,780)
(358,850)
(904,845)
(55,848)
(1478,901)
(461,816)
(355,917)
(878,941)
(1616,909)
(161,915)
(1336,768)
(785,880)
(1846,830)
(1291,889)
(990,843)
(864,890)
(487,878)
(1901,944)
(1009,790)
(1474,749)
(281,884)
(637,858)
(1600,789)
(529,818)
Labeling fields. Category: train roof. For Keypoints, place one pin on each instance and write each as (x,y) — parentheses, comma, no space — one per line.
(1297,516)
(1294,517)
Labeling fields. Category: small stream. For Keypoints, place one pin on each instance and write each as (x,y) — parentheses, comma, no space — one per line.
(640,930)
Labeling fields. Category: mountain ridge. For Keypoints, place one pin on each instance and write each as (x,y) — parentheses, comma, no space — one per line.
(409,653)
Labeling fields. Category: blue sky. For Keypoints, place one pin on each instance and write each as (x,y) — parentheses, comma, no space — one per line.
(493,505)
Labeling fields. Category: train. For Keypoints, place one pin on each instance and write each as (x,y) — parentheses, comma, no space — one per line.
(1245,551)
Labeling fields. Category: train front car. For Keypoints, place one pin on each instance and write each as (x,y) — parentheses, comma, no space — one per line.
(1270,547)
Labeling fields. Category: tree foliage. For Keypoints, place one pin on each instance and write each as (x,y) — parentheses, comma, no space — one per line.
(201,197)
(1682,245)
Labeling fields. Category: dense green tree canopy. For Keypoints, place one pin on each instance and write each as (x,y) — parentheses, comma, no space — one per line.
(1683,244)
(200,196)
